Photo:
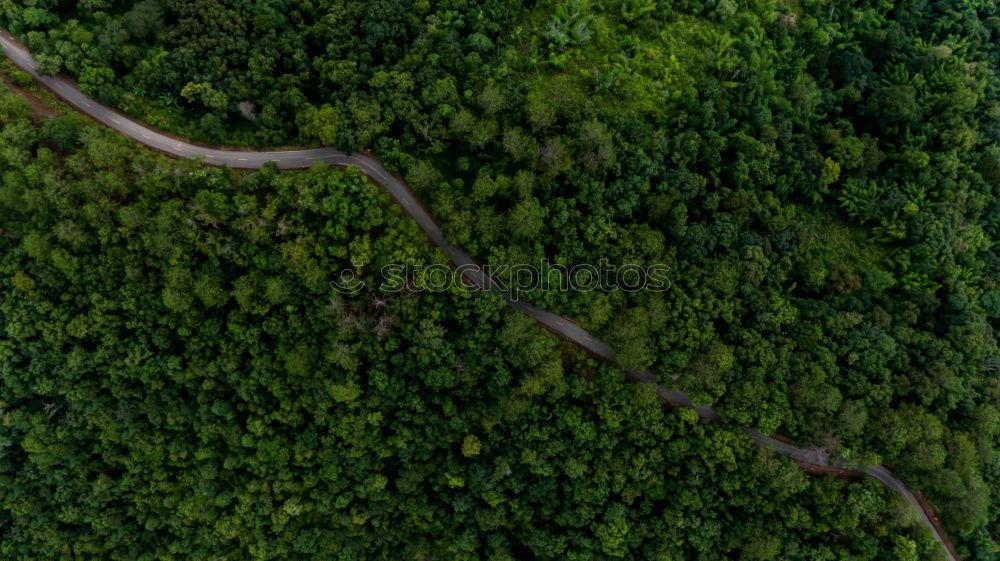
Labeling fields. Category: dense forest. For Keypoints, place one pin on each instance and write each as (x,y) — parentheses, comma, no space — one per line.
(179,382)
(822,177)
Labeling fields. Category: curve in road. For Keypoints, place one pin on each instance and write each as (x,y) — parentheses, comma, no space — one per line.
(293,159)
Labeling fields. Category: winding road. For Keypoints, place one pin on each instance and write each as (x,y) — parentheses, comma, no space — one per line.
(292,159)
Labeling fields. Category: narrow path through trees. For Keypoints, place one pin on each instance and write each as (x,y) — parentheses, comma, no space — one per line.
(291,159)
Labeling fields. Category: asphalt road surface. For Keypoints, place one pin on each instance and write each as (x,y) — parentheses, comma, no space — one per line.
(292,159)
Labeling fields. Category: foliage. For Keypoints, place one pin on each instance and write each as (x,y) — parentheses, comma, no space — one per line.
(820,176)
(180,381)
